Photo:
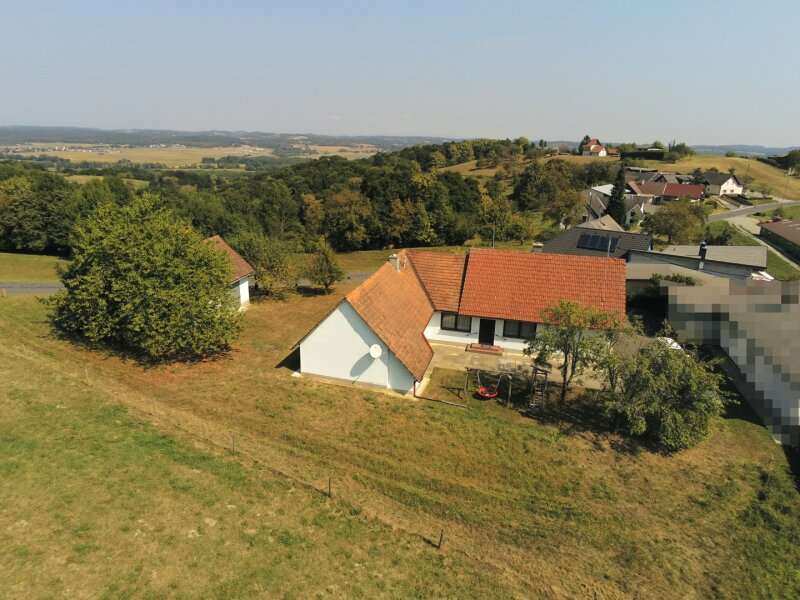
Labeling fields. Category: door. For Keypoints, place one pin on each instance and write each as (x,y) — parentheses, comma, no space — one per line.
(486,332)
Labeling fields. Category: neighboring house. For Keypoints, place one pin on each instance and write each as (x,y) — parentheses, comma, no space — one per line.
(722,184)
(241,271)
(732,262)
(757,324)
(665,177)
(599,196)
(379,333)
(785,235)
(594,148)
(667,192)
(593,242)
(606,223)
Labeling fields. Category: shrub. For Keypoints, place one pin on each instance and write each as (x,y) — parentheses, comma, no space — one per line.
(664,394)
(323,270)
(145,282)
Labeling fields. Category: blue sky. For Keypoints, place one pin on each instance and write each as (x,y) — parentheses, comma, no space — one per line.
(703,72)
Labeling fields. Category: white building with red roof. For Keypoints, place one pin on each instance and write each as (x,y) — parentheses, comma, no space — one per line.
(241,272)
(380,333)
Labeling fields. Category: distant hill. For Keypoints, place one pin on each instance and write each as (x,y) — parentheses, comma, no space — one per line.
(17,134)
(745,150)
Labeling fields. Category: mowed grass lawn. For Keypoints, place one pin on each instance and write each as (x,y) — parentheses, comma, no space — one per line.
(117,481)
(32,268)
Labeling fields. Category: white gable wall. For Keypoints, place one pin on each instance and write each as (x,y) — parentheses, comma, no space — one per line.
(240,291)
(339,348)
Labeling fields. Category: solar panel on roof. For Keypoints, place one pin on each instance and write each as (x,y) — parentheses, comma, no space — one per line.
(601,243)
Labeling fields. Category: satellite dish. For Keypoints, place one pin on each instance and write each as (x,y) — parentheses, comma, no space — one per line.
(375,351)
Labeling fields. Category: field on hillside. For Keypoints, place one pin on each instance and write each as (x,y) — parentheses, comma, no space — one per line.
(169,156)
(28,267)
(97,502)
(470,168)
(184,156)
(776,180)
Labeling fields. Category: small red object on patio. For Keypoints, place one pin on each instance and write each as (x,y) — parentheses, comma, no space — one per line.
(488,392)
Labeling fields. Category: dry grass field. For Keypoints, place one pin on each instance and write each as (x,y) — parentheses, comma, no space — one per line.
(170,156)
(206,480)
(30,268)
(350,152)
(778,183)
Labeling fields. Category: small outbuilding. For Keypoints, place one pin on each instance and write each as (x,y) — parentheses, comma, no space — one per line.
(241,271)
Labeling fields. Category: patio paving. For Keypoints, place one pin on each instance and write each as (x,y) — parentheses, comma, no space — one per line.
(456,358)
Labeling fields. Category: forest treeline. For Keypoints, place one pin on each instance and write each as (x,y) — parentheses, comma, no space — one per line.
(395,199)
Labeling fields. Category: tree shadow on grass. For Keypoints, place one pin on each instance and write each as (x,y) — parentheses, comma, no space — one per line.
(310,291)
(584,414)
(126,355)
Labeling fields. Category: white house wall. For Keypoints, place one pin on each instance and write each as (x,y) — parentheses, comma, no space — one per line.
(339,348)
(435,333)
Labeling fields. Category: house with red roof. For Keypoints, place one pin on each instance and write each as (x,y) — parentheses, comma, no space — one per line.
(241,273)
(594,148)
(381,332)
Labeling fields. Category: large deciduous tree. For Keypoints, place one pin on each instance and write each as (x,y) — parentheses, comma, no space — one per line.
(142,281)
(323,270)
(575,332)
(680,222)
(663,393)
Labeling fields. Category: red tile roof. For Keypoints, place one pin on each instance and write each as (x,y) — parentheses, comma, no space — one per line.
(395,306)
(239,266)
(684,190)
(441,274)
(515,285)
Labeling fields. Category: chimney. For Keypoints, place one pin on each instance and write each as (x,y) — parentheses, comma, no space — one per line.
(394,259)
(703,251)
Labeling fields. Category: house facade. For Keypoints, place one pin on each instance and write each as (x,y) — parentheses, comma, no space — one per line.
(380,334)
(722,184)
(594,148)
(242,274)
(599,197)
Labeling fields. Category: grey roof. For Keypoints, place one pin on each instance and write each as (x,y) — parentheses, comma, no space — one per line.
(606,223)
(751,256)
(718,177)
(599,204)
(644,271)
(788,230)
(568,242)
(668,178)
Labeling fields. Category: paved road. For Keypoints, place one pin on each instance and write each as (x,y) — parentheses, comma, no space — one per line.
(16,288)
(750,210)
(19,288)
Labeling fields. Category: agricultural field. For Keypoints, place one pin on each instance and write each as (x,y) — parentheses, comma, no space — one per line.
(184,156)
(170,156)
(350,152)
(210,479)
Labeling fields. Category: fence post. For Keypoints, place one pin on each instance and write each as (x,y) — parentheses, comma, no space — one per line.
(441,539)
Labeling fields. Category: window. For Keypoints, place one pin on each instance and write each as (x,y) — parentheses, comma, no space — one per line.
(455,322)
(519,329)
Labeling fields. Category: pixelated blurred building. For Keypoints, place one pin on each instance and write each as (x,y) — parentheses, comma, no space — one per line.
(757,323)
